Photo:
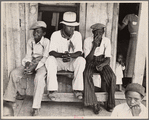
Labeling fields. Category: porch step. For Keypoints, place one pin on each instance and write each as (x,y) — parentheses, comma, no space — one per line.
(69,97)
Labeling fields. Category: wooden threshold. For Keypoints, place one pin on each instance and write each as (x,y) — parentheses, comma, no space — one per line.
(69,97)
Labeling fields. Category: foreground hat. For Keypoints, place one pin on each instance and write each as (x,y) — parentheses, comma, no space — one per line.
(97,26)
(69,18)
(136,88)
(38,24)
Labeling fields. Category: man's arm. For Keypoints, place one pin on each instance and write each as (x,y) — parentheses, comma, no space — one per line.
(120,27)
(95,43)
(91,54)
(76,54)
(56,54)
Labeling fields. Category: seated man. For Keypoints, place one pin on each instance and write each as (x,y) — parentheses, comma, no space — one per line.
(134,94)
(66,54)
(97,50)
(33,63)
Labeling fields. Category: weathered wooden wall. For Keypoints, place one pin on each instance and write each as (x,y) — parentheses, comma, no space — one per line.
(18,17)
(141,58)
(16,21)
(106,13)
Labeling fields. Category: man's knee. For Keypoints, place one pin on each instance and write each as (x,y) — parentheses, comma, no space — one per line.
(50,61)
(81,61)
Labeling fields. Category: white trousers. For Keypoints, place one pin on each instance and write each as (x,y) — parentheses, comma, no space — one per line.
(56,64)
(17,83)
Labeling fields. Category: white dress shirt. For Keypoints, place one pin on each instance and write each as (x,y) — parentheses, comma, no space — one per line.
(60,44)
(103,49)
(37,49)
(124,111)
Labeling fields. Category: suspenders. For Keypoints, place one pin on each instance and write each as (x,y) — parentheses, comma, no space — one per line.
(32,48)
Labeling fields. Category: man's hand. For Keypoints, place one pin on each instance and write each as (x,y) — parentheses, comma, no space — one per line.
(96,41)
(66,57)
(100,67)
(136,110)
(26,65)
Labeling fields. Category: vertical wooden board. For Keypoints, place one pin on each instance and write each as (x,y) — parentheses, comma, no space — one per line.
(22,29)
(33,15)
(142,46)
(27,22)
(11,31)
(96,13)
(4,69)
(82,26)
(109,20)
(16,34)
(114,35)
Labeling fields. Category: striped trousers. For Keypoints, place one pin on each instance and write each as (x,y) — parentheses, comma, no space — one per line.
(107,75)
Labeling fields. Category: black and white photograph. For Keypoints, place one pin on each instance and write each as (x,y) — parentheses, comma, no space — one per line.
(74,59)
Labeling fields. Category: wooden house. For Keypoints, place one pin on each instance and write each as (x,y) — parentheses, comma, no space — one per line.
(17,17)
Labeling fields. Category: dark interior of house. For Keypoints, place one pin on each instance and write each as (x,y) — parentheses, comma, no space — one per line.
(123,35)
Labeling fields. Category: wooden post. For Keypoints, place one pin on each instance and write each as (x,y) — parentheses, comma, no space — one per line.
(142,45)
(82,26)
(114,35)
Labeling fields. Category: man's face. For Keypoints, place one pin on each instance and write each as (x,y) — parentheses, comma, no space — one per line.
(69,30)
(133,98)
(38,33)
(98,33)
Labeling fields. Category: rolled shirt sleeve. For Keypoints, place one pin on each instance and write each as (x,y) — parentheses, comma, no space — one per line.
(53,44)
(77,41)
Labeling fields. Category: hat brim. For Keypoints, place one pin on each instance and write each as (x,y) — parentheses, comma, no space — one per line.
(35,27)
(70,24)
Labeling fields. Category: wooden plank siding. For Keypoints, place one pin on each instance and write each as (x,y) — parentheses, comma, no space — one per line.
(20,16)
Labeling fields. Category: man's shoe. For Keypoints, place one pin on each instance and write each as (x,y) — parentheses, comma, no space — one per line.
(78,94)
(109,109)
(20,97)
(52,95)
(35,112)
(96,109)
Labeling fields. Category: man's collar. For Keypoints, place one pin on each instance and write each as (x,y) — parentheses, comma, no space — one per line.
(40,42)
(64,35)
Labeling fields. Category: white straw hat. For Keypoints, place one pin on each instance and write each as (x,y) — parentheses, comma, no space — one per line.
(69,18)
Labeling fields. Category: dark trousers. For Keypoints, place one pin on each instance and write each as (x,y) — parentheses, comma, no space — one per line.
(108,76)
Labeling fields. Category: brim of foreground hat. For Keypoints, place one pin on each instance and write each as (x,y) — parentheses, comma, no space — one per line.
(70,24)
(32,28)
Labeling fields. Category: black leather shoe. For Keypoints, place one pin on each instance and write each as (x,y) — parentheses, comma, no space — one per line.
(20,97)
(96,108)
(109,109)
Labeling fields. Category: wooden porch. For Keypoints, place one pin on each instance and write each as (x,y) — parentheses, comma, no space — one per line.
(61,109)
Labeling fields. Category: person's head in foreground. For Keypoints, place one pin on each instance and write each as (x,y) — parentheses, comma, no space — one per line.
(7,110)
(39,28)
(134,94)
(133,107)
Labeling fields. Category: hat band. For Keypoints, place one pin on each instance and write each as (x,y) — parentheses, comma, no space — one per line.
(69,21)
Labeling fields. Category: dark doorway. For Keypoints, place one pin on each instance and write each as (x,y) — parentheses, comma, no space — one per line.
(123,35)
